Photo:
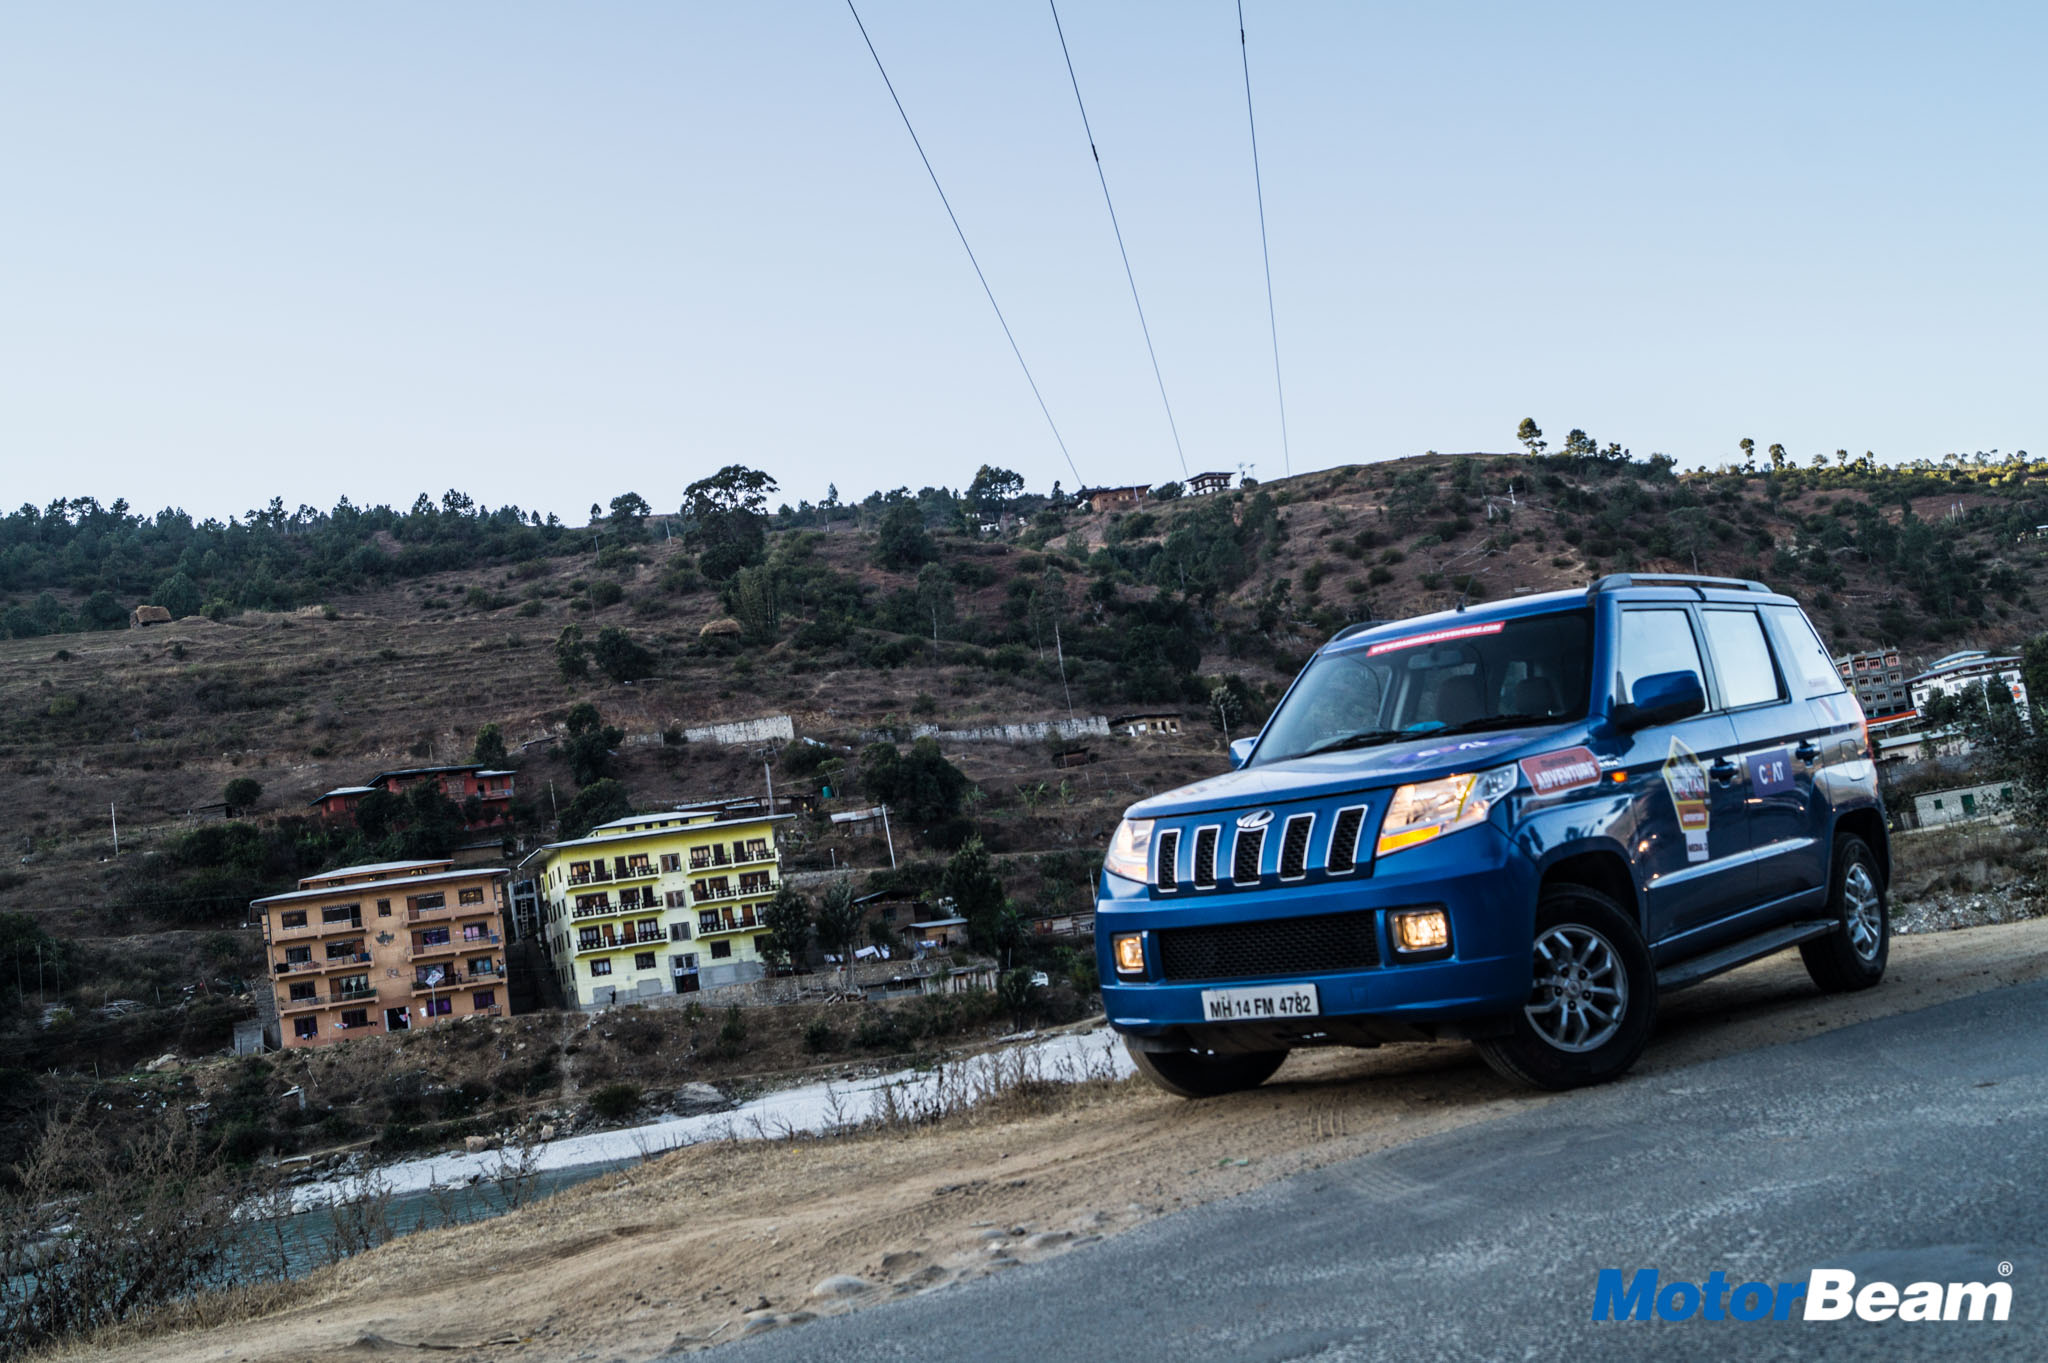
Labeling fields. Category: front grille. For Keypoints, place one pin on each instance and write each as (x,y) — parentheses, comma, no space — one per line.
(1244,860)
(1205,858)
(1344,841)
(1169,860)
(1280,946)
(1294,847)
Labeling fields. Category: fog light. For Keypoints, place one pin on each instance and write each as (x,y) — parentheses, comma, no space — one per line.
(1421,930)
(1129,949)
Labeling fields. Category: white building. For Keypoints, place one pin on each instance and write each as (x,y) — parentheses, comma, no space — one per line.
(1974,667)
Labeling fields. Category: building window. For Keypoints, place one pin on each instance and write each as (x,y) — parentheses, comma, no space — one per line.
(342,913)
(422,902)
(344,951)
(298,955)
(643,960)
(483,965)
(475,932)
(671,861)
(471,896)
(305,1029)
(707,922)
(483,998)
(586,939)
(301,992)
(294,918)
(438,1008)
(721,949)
(600,967)
(678,932)
(383,908)
(355,1017)
(432,937)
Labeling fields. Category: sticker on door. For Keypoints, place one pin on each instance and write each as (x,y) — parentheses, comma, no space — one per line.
(1686,779)
(1770,773)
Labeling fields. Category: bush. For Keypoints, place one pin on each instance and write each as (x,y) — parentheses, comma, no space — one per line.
(614,1101)
(732,1033)
(819,1037)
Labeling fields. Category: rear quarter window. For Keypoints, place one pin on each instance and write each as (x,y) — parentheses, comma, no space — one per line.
(1808,668)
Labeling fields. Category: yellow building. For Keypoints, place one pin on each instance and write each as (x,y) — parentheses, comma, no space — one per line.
(657,904)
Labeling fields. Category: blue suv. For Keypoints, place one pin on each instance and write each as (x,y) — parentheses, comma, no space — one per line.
(1516,824)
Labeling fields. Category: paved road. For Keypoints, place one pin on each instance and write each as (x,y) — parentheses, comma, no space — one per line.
(1913,1147)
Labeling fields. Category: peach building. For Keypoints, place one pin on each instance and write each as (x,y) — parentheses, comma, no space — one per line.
(384,948)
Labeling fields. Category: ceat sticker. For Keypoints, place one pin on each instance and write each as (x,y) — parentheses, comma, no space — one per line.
(1553,773)
(1686,779)
(1770,773)
(1436,636)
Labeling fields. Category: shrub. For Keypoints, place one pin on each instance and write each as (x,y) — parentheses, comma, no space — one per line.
(819,1037)
(614,1101)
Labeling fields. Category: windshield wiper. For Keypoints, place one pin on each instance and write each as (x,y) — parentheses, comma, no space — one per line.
(1474,726)
(1364,738)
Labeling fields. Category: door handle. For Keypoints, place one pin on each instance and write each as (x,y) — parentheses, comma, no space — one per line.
(1723,771)
(1806,752)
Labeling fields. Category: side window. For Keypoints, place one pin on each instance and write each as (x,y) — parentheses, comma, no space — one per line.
(1808,667)
(1742,659)
(1654,641)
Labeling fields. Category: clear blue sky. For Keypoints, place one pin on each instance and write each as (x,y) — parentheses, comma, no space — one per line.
(550,253)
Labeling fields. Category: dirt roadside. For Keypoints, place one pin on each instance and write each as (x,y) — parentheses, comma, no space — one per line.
(676,1252)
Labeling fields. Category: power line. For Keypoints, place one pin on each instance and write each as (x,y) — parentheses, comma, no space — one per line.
(1265,253)
(1114,227)
(958,231)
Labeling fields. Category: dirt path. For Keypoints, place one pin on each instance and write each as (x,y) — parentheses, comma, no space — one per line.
(677,1251)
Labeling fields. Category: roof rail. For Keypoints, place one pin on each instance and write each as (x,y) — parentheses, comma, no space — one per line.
(1357,628)
(1616,581)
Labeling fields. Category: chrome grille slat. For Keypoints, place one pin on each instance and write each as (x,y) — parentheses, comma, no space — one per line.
(1342,858)
(1169,859)
(1294,846)
(1245,852)
(1203,872)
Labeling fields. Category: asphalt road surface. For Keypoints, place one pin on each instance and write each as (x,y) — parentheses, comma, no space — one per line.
(1910,1148)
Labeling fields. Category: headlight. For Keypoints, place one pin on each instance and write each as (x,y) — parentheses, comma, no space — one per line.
(1130,851)
(1431,809)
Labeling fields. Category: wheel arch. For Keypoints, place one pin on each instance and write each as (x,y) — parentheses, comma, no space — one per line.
(1868,824)
(1597,866)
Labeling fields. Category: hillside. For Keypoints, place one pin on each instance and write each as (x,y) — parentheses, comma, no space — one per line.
(855,623)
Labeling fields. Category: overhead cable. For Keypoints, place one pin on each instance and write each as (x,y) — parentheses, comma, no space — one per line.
(961,233)
(1171,425)
(1265,253)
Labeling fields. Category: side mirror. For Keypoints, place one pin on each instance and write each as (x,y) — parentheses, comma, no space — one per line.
(1662,698)
(1241,751)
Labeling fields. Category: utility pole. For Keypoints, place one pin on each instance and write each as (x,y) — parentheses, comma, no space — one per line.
(1061,653)
(116,822)
(768,774)
(886,834)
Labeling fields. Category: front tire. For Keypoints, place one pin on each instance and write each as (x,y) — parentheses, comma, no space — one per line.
(1854,957)
(1205,1074)
(1593,1000)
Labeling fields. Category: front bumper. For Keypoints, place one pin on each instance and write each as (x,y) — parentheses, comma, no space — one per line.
(1487,889)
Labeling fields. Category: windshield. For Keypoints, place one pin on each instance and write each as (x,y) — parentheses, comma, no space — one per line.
(1459,678)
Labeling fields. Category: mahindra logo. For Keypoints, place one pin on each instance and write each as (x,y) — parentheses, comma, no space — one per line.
(1258,820)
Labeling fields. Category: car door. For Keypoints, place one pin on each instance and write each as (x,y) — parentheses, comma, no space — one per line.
(1690,829)
(1775,754)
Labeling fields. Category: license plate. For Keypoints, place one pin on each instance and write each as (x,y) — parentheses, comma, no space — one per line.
(1259,1005)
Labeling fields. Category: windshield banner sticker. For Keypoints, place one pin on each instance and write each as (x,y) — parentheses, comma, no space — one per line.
(1770,773)
(1553,773)
(1686,779)
(1436,636)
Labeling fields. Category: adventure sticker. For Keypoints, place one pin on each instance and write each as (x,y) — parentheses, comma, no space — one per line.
(1770,773)
(1686,779)
(1436,636)
(1552,773)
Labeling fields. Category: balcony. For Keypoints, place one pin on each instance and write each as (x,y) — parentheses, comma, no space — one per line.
(334,998)
(613,875)
(353,961)
(722,858)
(454,946)
(732,922)
(460,979)
(597,877)
(621,942)
(612,910)
(318,927)
(450,911)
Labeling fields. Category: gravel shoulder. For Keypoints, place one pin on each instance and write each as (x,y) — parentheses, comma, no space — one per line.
(712,1242)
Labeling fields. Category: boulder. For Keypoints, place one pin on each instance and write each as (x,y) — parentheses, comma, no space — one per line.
(694,1099)
(724,626)
(162,1063)
(144,616)
(841,1285)
(475,1144)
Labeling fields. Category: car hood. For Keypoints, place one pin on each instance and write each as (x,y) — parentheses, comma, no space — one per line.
(1327,774)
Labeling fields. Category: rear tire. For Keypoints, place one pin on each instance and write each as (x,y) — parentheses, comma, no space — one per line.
(1853,957)
(1593,1000)
(1205,1074)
